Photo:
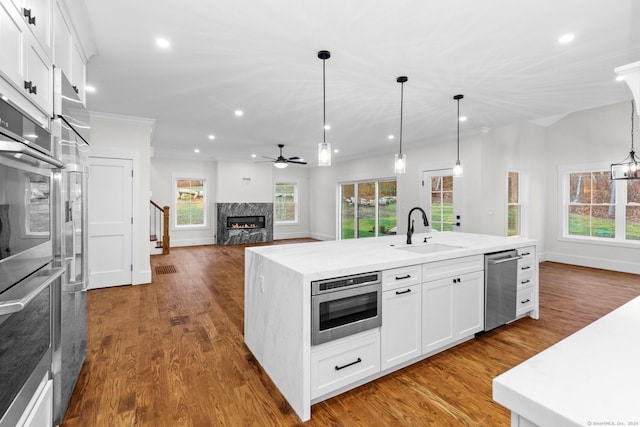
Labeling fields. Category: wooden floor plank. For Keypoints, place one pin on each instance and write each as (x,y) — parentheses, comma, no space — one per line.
(172,353)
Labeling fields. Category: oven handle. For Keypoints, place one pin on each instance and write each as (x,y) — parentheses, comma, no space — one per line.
(17,304)
(19,148)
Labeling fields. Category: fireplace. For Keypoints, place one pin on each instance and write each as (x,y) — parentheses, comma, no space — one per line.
(245,222)
(241,223)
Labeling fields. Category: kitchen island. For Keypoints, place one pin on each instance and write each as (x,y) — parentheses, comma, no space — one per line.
(591,378)
(278,309)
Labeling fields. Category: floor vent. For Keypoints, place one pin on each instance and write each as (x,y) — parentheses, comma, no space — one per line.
(166,269)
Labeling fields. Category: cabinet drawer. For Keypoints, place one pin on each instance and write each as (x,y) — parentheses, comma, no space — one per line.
(343,362)
(401,277)
(452,267)
(525,278)
(524,302)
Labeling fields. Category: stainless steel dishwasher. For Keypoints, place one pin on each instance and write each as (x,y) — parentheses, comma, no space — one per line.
(500,288)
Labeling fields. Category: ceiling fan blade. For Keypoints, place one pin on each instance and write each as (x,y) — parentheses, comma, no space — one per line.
(294,158)
(270,158)
(296,162)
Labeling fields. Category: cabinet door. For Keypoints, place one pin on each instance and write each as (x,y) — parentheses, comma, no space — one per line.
(12,40)
(469,304)
(437,314)
(39,21)
(78,75)
(63,41)
(401,332)
(40,74)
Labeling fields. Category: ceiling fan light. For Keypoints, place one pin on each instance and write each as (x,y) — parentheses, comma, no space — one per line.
(324,154)
(280,164)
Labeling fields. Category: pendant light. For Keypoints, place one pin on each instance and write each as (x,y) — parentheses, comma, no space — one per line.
(324,148)
(629,168)
(457,169)
(401,158)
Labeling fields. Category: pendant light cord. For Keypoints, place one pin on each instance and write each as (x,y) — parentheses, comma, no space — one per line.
(324,105)
(632,122)
(458,144)
(401,105)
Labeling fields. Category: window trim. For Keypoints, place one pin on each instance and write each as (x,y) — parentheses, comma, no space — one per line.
(562,209)
(205,197)
(296,200)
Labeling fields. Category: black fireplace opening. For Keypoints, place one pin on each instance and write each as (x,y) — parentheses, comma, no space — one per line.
(245,222)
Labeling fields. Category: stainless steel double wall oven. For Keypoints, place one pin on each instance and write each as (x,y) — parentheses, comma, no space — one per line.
(28,278)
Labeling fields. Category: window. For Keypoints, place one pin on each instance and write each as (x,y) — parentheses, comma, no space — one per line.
(191,202)
(286,203)
(442,202)
(367,209)
(514,215)
(598,209)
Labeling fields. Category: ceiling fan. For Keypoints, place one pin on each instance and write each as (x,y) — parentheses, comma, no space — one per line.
(282,162)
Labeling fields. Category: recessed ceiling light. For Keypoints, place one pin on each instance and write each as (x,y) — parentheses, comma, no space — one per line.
(212,136)
(336,151)
(254,156)
(566,38)
(463,118)
(197,150)
(327,127)
(620,78)
(390,137)
(163,43)
(89,88)
(239,113)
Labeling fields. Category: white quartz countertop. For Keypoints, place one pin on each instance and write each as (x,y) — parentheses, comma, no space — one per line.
(335,258)
(590,378)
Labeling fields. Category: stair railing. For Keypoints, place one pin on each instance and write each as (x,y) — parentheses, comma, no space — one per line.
(159,223)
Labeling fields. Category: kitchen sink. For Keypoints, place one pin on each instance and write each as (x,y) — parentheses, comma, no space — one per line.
(428,248)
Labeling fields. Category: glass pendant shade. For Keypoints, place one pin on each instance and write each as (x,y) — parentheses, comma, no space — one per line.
(400,163)
(324,154)
(457,169)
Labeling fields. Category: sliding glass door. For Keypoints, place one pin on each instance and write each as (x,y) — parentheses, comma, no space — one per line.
(367,208)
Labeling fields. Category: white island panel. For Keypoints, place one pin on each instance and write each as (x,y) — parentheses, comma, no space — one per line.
(590,378)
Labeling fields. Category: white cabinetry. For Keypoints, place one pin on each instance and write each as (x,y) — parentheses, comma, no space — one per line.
(401,331)
(68,54)
(452,306)
(342,362)
(525,299)
(26,55)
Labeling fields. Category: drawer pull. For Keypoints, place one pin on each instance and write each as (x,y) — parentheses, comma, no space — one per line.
(337,368)
(525,301)
(526,267)
(408,276)
(403,292)
(525,253)
(524,282)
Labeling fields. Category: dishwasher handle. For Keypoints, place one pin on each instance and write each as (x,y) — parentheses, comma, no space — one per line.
(503,260)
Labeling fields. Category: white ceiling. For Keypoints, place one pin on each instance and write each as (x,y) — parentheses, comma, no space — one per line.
(261,57)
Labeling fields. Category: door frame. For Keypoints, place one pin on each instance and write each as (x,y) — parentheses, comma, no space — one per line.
(458,193)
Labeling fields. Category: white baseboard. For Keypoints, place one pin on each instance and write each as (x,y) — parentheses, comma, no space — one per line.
(318,236)
(193,242)
(605,264)
(282,236)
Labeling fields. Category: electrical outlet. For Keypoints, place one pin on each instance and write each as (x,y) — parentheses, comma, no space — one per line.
(261,278)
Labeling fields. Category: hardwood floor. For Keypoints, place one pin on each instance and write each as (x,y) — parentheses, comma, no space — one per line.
(171,353)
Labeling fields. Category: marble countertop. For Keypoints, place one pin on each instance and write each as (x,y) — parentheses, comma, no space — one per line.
(336,258)
(590,378)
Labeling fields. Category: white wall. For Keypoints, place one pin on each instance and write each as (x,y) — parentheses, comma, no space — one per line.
(240,182)
(123,137)
(596,135)
(162,192)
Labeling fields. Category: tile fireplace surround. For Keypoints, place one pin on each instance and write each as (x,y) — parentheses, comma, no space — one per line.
(226,236)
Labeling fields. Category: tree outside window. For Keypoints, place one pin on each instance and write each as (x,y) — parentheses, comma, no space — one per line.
(191,202)
(368,208)
(591,210)
(442,203)
(514,216)
(286,202)
(632,210)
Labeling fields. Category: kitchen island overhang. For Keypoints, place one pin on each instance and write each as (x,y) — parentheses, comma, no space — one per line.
(278,296)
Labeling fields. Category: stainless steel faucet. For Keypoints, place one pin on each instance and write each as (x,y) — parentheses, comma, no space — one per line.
(410,223)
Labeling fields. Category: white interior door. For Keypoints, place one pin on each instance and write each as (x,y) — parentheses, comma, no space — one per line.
(442,195)
(110,222)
